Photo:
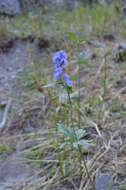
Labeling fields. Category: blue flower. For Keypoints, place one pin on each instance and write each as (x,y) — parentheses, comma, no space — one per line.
(60,59)
(67,80)
(57,73)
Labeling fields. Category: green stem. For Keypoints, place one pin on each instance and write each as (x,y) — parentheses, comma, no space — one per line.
(71,110)
(79,116)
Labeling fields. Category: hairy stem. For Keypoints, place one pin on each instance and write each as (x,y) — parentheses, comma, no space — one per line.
(79,116)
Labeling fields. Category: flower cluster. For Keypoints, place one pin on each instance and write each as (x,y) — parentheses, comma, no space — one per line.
(60,62)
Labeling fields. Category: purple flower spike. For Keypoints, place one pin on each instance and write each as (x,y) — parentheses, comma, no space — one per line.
(57,73)
(60,62)
(67,80)
(60,59)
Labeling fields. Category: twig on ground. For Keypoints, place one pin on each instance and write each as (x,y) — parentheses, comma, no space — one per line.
(99,133)
(5,115)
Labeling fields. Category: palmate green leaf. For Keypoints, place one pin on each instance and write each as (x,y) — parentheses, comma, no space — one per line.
(67,132)
(84,142)
(75,145)
(73,37)
(75,137)
(80,133)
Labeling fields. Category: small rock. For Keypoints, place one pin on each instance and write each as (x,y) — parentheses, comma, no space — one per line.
(10,7)
(102,2)
(9,69)
(103,182)
(43,43)
(1,77)
(110,37)
(120,53)
(19,70)
(122,45)
(97,44)
(13,76)
(3,103)
(5,45)
(124,10)
(28,129)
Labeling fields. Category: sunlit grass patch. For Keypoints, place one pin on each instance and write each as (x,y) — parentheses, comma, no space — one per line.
(84,20)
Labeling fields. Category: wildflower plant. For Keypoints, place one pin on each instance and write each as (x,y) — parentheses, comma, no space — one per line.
(73,135)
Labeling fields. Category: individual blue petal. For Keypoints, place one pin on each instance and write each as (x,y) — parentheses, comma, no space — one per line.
(67,80)
(63,54)
(57,73)
(62,64)
(59,55)
(60,59)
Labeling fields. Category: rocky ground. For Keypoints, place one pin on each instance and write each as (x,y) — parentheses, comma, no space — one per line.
(12,64)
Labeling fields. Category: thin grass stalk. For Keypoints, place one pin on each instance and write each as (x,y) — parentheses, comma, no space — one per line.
(66,117)
(105,76)
(60,160)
